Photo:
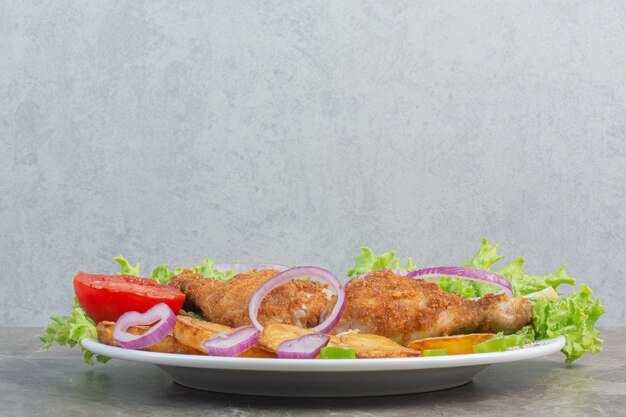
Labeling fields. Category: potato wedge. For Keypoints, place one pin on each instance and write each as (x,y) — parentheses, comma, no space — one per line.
(192,332)
(364,345)
(168,345)
(372,346)
(275,334)
(455,345)
(257,352)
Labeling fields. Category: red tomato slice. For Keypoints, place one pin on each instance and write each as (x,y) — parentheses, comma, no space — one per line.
(107,297)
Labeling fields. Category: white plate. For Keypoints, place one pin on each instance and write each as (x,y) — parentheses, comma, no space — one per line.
(325,378)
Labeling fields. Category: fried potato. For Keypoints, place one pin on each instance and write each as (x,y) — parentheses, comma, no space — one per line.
(192,332)
(372,346)
(168,345)
(455,345)
(275,334)
(364,345)
(257,352)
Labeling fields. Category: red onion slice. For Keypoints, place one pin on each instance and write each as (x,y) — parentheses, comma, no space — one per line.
(293,273)
(241,268)
(303,347)
(161,314)
(231,344)
(465,273)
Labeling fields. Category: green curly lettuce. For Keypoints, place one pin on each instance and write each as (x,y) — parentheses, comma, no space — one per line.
(70,330)
(368,262)
(191,314)
(207,269)
(572,316)
(162,274)
(486,256)
(522,283)
(127,267)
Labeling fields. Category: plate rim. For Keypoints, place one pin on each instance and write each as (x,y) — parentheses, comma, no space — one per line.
(540,348)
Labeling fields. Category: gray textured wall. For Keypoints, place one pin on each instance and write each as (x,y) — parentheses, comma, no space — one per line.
(271,131)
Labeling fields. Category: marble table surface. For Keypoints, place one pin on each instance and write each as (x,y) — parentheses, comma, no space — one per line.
(56,382)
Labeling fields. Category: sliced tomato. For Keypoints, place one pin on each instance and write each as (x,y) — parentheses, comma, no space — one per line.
(107,297)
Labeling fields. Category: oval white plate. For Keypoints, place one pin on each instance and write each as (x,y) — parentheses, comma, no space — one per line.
(324,378)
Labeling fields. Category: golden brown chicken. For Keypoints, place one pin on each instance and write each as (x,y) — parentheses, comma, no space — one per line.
(301,303)
(405,309)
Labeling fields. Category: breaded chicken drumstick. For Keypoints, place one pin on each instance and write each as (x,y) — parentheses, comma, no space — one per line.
(406,309)
(301,303)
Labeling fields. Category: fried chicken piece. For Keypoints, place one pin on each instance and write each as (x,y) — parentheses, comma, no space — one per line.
(406,309)
(301,303)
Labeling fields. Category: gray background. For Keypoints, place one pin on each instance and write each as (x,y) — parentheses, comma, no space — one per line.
(270,131)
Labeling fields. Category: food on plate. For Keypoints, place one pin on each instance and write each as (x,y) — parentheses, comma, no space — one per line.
(257,352)
(385,311)
(231,343)
(307,346)
(274,334)
(192,332)
(364,345)
(328,318)
(169,344)
(335,352)
(298,302)
(495,344)
(573,316)
(501,342)
(160,318)
(453,345)
(372,346)
(406,309)
(435,352)
(187,337)
(107,297)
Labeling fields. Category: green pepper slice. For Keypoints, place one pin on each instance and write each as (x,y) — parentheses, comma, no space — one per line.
(496,344)
(517,340)
(435,352)
(335,352)
(514,340)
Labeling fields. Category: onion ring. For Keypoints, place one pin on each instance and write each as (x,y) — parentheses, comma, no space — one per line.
(161,314)
(329,323)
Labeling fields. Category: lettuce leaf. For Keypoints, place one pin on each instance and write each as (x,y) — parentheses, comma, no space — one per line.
(522,283)
(573,317)
(486,256)
(162,274)
(69,330)
(207,269)
(526,284)
(127,268)
(368,262)
(191,314)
